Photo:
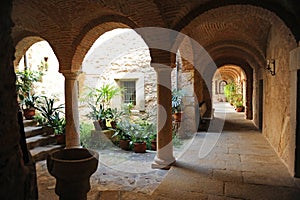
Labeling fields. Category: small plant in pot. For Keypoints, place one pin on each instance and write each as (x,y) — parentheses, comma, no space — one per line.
(239,107)
(49,116)
(115,117)
(28,105)
(153,142)
(149,133)
(177,103)
(58,124)
(122,132)
(98,115)
(139,136)
(98,99)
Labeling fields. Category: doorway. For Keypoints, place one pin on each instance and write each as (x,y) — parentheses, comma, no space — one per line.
(261,98)
(297,156)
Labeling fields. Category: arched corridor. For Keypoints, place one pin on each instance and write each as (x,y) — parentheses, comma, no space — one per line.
(241,165)
(243,159)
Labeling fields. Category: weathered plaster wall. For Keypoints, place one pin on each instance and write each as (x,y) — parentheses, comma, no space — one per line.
(126,56)
(35,54)
(12,169)
(277,94)
(116,55)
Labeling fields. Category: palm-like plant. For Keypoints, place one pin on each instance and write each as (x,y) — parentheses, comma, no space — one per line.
(47,108)
(177,100)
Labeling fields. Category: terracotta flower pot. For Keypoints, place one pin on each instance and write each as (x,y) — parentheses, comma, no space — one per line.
(139,147)
(177,116)
(153,145)
(240,109)
(102,123)
(60,139)
(113,124)
(72,169)
(29,113)
(124,144)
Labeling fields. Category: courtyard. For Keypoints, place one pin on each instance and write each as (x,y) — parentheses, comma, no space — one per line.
(241,165)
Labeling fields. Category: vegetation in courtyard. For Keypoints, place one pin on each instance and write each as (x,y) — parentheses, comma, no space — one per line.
(136,130)
(25,85)
(233,93)
(98,100)
(177,100)
(51,115)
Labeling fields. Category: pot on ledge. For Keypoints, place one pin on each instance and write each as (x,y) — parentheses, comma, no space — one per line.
(72,169)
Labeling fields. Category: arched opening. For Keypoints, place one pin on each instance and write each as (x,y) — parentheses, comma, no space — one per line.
(40,60)
(229,84)
(119,60)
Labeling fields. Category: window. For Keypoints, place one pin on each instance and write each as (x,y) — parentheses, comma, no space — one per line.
(133,90)
(129,91)
(221,86)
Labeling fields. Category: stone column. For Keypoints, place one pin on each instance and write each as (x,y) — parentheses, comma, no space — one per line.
(164,157)
(12,169)
(71,110)
(294,66)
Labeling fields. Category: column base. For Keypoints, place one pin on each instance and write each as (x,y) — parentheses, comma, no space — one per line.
(73,147)
(162,164)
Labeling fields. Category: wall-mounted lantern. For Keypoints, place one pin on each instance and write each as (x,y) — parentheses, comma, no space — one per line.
(271,66)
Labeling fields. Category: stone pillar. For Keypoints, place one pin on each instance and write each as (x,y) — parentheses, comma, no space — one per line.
(12,169)
(294,66)
(164,156)
(71,110)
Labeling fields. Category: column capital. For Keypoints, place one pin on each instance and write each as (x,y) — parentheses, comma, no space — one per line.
(162,57)
(161,68)
(68,74)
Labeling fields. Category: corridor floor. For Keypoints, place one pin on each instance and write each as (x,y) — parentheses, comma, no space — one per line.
(236,163)
(241,165)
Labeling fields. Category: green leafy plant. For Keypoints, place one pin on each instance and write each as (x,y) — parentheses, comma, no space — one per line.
(50,115)
(58,123)
(47,108)
(24,82)
(96,113)
(102,95)
(29,101)
(177,100)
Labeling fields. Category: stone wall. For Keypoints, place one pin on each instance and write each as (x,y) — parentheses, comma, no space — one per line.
(35,54)
(124,56)
(277,95)
(12,169)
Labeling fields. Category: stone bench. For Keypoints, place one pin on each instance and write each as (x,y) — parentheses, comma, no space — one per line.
(204,113)
(205,116)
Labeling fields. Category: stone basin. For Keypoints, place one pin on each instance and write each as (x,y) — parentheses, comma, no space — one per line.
(72,169)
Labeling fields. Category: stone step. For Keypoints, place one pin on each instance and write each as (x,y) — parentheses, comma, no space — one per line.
(28,122)
(31,131)
(41,152)
(40,140)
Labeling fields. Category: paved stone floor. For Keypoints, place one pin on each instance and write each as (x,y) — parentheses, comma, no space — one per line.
(234,162)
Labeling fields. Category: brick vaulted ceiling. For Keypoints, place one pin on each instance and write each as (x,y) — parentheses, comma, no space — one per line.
(220,26)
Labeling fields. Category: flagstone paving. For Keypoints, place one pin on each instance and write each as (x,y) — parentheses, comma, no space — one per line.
(241,164)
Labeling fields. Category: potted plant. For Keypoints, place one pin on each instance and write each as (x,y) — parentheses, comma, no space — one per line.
(114,117)
(98,115)
(24,85)
(98,99)
(58,124)
(139,136)
(122,132)
(177,102)
(152,139)
(49,114)
(28,106)
(239,107)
